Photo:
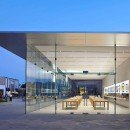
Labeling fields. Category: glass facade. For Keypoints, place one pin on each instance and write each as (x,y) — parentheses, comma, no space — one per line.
(65,74)
(86,66)
(74,72)
(40,86)
(45,84)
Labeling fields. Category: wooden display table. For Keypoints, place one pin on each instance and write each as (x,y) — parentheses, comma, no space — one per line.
(71,103)
(95,100)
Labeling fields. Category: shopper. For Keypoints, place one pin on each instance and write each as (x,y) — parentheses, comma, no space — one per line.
(10,96)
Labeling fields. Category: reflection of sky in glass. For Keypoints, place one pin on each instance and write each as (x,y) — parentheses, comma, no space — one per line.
(36,74)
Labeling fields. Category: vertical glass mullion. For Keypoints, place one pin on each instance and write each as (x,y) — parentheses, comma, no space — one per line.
(26,79)
(115,73)
(55,79)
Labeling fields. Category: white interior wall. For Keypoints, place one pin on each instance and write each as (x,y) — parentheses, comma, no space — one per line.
(123,74)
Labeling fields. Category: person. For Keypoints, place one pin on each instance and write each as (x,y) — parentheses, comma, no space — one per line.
(1,96)
(23,95)
(6,97)
(9,95)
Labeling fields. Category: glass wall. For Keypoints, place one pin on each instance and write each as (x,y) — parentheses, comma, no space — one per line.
(118,93)
(123,75)
(63,85)
(78,73)
(40,87)
(86,62)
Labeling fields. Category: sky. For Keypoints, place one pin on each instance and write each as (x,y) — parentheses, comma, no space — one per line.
(59,15)
(64,15)
(11,65)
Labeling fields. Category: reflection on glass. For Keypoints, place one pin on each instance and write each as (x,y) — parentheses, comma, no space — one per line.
(40,85)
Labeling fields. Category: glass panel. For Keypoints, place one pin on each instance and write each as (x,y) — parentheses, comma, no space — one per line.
(123,73)
(85,69)
(40,86)
(80,67)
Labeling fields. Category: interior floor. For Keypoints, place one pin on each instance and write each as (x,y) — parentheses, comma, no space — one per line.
(84,109)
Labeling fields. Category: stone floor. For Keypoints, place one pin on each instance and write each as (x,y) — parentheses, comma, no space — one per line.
(12,117)
(84,109)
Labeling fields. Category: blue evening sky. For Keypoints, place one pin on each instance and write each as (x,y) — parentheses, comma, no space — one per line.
(59,15)
(11,65)
(65,15)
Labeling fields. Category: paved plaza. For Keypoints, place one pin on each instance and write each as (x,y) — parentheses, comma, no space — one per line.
(12,117)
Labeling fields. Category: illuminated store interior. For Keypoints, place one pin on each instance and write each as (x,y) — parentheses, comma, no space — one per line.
(74,73)
(78,73)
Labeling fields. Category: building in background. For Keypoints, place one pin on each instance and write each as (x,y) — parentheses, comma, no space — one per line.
(8,84)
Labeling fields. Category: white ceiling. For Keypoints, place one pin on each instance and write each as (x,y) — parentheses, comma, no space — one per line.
(83,51)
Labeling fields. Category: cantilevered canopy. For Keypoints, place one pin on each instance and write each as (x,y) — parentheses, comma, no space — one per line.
(75,52)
